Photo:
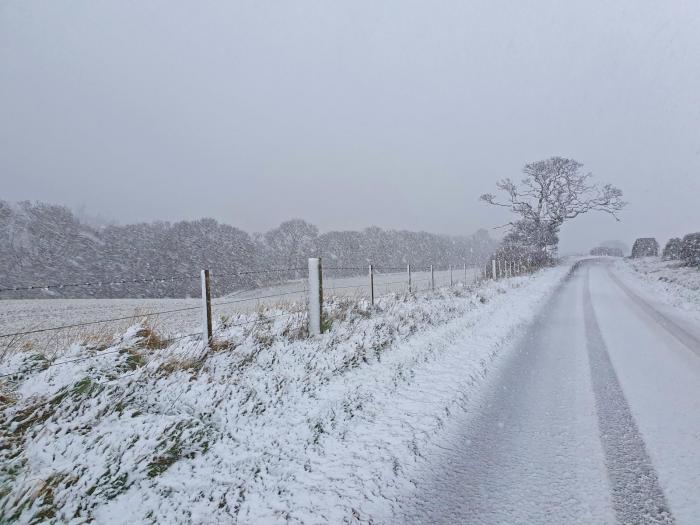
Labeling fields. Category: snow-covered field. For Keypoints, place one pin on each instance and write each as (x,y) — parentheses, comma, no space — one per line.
(269,427)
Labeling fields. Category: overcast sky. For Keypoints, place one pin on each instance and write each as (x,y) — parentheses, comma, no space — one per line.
(348,114)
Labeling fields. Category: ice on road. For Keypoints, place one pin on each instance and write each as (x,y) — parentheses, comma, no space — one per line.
(593,417)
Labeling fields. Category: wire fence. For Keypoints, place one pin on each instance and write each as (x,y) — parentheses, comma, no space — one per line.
(290,295)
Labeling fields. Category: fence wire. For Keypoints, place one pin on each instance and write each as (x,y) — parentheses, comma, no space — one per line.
(415,283)
(147,280)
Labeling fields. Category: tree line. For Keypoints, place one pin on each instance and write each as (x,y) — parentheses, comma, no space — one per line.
(686,249)
(44,244)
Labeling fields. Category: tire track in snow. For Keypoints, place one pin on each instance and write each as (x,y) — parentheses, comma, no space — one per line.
(637,496)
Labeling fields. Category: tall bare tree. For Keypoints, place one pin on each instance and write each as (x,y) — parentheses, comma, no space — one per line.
(553,191)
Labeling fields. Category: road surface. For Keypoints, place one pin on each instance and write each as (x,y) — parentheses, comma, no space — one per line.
(593,417)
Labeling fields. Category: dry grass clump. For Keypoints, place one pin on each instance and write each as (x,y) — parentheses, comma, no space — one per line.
(345,309)
(295,330)
(7,398)
(221,345)
(149,339)
(261,334)
(98,337)
(176,364)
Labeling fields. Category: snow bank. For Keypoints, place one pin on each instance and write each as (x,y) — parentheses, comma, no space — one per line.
(272,427)
(669,282)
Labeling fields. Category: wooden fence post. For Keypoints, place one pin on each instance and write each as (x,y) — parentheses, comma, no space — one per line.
(315,296)
(432,278)
(371,285)
(206,305)
(408,271)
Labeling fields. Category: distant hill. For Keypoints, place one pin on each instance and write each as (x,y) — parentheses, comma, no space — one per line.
(47,244)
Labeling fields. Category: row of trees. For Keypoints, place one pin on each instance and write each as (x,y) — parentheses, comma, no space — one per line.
(686,249)
(47,244)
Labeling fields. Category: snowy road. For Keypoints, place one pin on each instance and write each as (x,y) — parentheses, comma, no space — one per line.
(593,417)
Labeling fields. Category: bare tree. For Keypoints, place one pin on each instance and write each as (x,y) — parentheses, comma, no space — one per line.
(553,191)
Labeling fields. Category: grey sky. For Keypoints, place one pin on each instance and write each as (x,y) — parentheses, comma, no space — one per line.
(348,114)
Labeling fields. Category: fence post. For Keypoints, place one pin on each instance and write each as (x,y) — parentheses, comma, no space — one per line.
(315,296)
(408,271)
(432,278)
(371,285)
(450,276)
(206,305)
(493,269)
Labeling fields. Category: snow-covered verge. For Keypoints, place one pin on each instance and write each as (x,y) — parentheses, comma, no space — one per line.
(670,282)
(270,426)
